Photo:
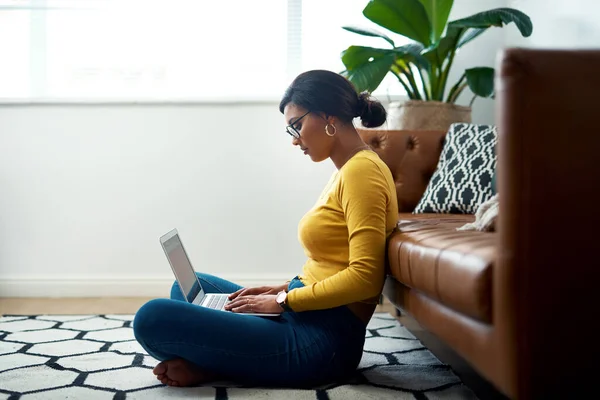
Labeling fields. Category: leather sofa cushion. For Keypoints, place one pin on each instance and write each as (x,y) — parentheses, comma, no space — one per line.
(453,267)
(412,157)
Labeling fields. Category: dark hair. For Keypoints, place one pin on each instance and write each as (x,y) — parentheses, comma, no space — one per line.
(332,94)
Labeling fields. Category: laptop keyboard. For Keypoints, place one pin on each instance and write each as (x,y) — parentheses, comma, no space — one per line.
(217,302)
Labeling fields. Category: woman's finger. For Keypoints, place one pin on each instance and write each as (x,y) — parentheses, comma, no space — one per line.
(233,304)
(239,301)
(236,293)
(244,292)
(244,308)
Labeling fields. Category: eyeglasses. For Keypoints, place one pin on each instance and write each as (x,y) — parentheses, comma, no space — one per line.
(292,130)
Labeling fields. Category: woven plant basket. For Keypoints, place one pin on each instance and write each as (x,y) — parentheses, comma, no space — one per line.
(425,115)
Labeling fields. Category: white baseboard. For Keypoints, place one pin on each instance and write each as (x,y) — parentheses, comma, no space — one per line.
(102,286)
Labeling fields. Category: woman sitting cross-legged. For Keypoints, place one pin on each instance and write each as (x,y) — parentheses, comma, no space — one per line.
(320,333)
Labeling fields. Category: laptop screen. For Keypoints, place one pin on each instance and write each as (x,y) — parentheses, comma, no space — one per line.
(184,272)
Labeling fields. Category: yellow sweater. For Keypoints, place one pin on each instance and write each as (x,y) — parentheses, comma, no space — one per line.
(344,236)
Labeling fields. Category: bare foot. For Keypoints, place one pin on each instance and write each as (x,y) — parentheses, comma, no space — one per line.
(179,372)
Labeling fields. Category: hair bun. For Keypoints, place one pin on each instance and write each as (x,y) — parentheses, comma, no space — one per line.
(363,103)
(371,112)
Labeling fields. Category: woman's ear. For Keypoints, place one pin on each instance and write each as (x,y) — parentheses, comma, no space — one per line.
(329,119)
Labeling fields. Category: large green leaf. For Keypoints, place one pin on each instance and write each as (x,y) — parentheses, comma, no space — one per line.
(437,53)
(369,75)
(496,17)
(405,17)
(369,32)
(365,65)
(481,81)
(356,56)
(411,53)
(438,12)
(470,35)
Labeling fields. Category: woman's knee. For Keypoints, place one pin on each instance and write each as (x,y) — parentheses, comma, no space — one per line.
(149,318)
(214,284)
(209,283)
(203,277)
(176,293)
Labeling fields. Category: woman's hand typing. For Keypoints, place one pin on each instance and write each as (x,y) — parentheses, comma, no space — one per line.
(261,304)
(258,290)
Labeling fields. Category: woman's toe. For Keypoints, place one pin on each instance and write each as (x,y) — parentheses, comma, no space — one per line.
(160,368)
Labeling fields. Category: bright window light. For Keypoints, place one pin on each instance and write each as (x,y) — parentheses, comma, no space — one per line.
(172,49)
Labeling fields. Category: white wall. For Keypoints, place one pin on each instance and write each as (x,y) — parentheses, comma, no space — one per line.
(560,24)
(88,189)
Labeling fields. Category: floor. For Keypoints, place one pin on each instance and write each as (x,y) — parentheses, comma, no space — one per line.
(71,306)
(129,305)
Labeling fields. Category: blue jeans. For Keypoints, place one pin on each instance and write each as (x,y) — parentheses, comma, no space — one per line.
(298,349)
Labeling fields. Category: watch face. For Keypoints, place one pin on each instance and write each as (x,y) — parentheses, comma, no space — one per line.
(281,297)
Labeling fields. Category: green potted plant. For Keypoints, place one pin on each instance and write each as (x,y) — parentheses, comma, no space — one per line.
(422,66)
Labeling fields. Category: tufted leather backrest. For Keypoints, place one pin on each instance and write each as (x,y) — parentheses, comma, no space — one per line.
(412,156)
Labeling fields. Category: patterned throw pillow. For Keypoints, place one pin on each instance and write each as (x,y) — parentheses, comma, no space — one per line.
(463,178)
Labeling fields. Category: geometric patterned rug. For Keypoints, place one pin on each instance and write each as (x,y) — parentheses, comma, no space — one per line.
(93,357)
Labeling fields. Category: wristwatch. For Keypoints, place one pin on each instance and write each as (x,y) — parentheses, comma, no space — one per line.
(281,299)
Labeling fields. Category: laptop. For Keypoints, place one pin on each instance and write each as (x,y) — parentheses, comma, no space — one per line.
(188,281)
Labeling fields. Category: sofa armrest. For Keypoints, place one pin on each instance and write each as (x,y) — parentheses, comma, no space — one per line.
(546,280)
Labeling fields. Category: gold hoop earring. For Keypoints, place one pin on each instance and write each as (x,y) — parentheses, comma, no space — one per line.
(327,130)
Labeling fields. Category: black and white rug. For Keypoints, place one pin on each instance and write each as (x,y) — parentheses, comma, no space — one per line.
(93,357)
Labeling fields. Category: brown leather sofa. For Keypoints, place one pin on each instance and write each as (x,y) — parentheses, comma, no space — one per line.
(518,304)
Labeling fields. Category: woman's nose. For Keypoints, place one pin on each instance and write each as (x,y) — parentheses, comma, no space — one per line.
(295,141)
